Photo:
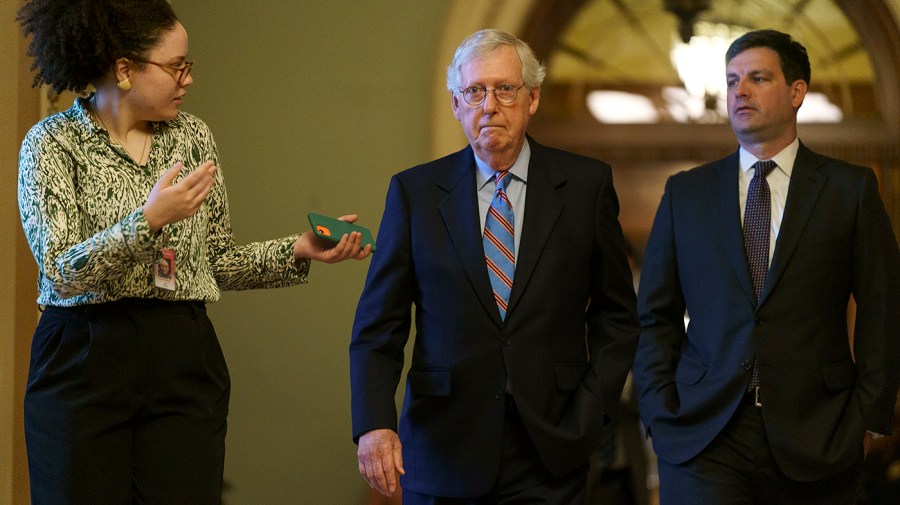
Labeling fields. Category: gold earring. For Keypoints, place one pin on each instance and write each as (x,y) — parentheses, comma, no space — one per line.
(124,84)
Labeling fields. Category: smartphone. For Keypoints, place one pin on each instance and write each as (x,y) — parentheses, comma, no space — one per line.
(333,229)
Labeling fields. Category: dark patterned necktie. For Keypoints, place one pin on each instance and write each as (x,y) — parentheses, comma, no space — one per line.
(757,227)
(499,243)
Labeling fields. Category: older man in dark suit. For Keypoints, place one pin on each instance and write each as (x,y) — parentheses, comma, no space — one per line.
(761,400)
(507,394)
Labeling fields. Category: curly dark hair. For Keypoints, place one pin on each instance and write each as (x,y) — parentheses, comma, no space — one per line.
(75,42)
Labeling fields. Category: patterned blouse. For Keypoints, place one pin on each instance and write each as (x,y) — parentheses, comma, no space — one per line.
(80,199)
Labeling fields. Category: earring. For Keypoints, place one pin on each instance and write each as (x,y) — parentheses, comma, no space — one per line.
(124,84)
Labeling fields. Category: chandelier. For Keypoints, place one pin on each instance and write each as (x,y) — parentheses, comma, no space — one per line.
(698,56)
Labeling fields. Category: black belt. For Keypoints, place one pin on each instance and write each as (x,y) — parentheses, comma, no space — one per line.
(753,397)
(129,304)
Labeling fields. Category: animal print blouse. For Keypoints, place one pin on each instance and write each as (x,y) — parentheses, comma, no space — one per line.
(80,198)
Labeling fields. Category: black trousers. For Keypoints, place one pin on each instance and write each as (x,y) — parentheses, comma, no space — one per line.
(523,479)
(738,469)
(126,403)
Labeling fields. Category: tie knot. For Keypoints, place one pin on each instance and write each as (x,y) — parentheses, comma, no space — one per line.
(764,167)
(502,180)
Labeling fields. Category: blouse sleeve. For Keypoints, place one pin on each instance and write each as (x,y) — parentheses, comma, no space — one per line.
(268,264)
(71,261)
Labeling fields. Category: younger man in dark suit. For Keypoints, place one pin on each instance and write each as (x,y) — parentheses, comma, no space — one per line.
(507,396)
(761,400)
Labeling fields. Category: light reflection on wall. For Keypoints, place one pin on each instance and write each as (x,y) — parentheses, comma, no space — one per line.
(620,107)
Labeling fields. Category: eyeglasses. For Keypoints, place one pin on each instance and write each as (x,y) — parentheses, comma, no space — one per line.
(182,70)
(504,93)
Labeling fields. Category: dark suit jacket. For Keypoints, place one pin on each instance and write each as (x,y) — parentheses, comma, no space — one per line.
(835,241)
(572,273)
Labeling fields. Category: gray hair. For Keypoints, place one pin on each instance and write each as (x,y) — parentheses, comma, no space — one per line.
(481,43)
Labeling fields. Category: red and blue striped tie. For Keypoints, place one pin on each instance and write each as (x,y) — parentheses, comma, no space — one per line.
(499,243)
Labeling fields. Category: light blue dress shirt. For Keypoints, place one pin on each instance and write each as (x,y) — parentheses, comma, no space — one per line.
(515,190)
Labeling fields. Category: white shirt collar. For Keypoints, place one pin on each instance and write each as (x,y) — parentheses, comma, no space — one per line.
(785,159)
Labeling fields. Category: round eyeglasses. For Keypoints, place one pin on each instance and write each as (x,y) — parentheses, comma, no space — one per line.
(181,70)
(504,93)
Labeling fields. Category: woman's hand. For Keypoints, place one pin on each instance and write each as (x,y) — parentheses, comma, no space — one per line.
(169,203)
(308,245)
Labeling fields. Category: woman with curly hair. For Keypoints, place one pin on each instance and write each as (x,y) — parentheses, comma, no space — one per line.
(127,393)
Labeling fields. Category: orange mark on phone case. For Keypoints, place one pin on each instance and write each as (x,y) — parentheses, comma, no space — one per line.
(323,230)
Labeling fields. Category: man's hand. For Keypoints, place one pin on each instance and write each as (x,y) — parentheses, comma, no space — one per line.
(868,439)
(380,460)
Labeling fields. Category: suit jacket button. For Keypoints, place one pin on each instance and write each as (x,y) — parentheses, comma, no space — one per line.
(499,394)
(747,364)
(757,321)
(506,341)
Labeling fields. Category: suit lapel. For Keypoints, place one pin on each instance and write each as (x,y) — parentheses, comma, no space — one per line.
(727,218)
(542,210)
(803,192)
(459,210)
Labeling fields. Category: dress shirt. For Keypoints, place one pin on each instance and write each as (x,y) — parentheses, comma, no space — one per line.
(515,189)
(81,197)
(778,180)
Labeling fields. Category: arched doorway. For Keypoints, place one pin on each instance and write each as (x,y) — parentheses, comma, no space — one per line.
(645,154)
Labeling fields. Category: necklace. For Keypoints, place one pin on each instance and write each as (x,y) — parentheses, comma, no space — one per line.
(96,111)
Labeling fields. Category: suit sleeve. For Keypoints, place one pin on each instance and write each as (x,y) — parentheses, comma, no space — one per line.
(661,309)
(382,323)
(876,263)
(611,315)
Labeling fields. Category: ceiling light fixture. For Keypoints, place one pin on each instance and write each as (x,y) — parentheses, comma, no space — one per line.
(686,11)
(700,64)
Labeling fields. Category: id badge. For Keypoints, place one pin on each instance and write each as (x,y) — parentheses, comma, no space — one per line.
(164,270)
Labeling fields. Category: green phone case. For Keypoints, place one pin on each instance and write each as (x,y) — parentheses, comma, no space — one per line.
(333,229)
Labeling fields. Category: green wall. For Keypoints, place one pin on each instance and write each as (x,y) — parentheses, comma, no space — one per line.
(314,106)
